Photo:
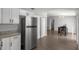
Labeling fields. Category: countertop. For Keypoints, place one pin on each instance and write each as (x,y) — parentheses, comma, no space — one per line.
(8,34)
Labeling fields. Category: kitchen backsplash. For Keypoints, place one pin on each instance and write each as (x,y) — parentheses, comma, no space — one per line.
(7,27)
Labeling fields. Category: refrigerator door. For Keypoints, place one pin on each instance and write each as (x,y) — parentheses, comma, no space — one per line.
(34,21)
(31,33)
(34,32)
(33,37)
(28,38)
(27,34)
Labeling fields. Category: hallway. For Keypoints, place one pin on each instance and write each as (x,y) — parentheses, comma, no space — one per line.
(56,42)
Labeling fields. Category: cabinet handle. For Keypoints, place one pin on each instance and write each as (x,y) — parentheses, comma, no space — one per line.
(10,20)
(11,44)
(1,43)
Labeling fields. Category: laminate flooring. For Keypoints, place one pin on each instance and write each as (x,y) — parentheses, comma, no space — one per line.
(53,41)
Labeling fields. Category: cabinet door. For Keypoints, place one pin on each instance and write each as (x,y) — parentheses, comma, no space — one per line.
(15,41)
(15,15)
(6,15)
(5,45)
(19,42)
(0,15)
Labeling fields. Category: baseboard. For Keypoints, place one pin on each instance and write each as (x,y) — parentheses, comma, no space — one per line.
(44,35)
(68,33)
(71,33)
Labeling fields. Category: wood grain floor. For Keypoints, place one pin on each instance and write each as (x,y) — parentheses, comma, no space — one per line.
(53,41)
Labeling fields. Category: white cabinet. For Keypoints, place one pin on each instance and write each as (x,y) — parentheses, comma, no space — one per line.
(15,15)
(5,44)
(10,15)
(16,43)
(0,16)
(22,12)
(11,43)
(6,16)
(19,42)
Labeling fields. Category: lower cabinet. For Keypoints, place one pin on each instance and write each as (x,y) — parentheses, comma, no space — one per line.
(15,43)
(5,44)
(11,43)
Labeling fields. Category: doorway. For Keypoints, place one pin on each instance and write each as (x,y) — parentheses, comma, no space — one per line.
(40,27)
(22,30)
(52,25)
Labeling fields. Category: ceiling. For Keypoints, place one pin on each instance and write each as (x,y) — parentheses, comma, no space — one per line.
(54,11)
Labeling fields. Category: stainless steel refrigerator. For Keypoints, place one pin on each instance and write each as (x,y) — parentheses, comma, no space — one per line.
(28,33)
(31,32)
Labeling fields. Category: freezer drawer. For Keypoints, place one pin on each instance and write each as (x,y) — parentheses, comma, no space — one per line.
(31,38)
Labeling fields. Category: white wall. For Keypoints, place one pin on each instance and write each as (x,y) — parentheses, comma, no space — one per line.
(49,23)
(38,28)
(77,30)
(70,21)
(43,26)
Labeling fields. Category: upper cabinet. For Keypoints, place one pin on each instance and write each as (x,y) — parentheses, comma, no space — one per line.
(0,15)
(6,16)
(22,12)
(10,16)
(15,15)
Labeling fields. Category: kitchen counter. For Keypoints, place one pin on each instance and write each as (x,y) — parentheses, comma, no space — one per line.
(8,34)
(10,40)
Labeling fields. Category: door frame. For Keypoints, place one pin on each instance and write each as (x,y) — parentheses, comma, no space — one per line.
(77,30)
(40,27)
(22,16)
